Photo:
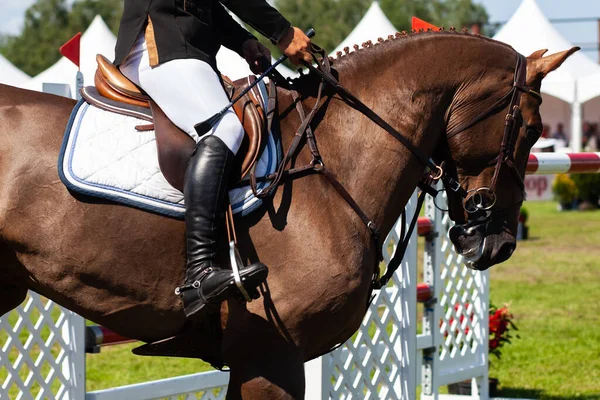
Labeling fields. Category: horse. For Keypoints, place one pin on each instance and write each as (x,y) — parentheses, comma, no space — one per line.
(118,266)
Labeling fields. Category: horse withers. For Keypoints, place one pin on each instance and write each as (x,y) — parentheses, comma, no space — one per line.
(446,92)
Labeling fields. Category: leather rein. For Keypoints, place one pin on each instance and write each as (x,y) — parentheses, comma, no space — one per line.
(434,172)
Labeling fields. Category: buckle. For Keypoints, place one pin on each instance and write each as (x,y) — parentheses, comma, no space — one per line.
(374,230)
(453,185)
(439,174)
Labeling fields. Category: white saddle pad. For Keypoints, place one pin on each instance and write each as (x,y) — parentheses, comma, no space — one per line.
(103,155)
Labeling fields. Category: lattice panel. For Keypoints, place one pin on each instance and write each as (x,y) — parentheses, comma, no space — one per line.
(463,299)
(38,352)
(212,394)
(201,386)
(374,363)
(368,364)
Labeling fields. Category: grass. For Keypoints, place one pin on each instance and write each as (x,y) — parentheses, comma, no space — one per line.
(552,285)
(116,366)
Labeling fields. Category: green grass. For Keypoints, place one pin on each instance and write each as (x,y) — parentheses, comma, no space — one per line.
(552,284)
(35,348)
(116,366)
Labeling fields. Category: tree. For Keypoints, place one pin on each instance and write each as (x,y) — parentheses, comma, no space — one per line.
(334,19)
(84,11)
(49,24)
(43,33)
(446,13)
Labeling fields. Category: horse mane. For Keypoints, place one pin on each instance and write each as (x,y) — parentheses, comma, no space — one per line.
(348,58)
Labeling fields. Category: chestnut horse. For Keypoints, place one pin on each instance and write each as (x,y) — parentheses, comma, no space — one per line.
(118,266)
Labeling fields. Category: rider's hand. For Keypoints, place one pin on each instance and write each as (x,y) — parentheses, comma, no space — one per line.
(257,55)
(296,45)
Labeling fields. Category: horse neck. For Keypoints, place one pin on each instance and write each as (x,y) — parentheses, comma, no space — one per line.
(411,85)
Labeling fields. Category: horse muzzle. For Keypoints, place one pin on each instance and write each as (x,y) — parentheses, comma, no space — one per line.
(480,245)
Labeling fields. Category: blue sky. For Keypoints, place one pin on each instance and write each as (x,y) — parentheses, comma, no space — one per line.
(13,12)
(11,18)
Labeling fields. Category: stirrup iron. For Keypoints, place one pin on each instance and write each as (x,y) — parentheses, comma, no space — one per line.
(234,255)
(236,264)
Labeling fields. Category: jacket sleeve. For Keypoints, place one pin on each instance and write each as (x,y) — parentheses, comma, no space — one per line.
(233,34)
(261,16)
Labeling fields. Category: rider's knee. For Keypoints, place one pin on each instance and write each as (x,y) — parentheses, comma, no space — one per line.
(230,131)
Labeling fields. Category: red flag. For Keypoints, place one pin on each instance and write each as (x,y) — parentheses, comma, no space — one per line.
(71,49)
(418,24)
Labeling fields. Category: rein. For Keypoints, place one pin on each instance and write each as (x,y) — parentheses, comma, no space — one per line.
(434,174)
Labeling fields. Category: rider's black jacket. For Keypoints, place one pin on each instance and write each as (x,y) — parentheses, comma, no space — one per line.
(176,29)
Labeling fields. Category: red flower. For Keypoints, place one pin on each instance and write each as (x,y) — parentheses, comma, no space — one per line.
(500,324)
(494,343)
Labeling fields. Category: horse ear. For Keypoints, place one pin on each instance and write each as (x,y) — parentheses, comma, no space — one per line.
(542,66)
(537,54)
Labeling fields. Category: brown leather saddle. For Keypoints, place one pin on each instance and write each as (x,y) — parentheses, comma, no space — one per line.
(175,146)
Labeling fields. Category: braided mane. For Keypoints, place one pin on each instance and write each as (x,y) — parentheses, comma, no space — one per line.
(404,34)
(348,56)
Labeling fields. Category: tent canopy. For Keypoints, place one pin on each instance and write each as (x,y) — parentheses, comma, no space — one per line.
(97,39)
(11,75)
(371,27)
(588,87)
(529,30)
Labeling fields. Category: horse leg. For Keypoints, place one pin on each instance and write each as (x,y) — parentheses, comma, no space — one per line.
(11,297)
(270,375)
(12,294)
(264,360)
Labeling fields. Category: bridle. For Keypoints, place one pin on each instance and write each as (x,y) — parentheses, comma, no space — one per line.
(435,172)
(484,198)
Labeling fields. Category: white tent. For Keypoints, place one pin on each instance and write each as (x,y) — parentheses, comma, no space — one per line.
(11,75)
(588,87)
(97,39)
(372,26)
(529,30)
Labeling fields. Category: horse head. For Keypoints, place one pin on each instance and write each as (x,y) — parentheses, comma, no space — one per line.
(492,170)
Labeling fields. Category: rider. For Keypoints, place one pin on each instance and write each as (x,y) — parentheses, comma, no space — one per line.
(168,48)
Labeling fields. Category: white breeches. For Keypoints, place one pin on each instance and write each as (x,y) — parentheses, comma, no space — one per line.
(187,90)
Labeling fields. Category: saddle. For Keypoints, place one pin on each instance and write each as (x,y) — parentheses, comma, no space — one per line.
(114,92)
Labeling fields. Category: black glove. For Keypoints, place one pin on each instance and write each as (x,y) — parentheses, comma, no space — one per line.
(257,55)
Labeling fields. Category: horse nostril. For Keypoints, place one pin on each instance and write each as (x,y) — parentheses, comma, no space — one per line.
(456,232)
(504,253)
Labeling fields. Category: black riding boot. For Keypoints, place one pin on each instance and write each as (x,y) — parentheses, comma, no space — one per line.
(205,188)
